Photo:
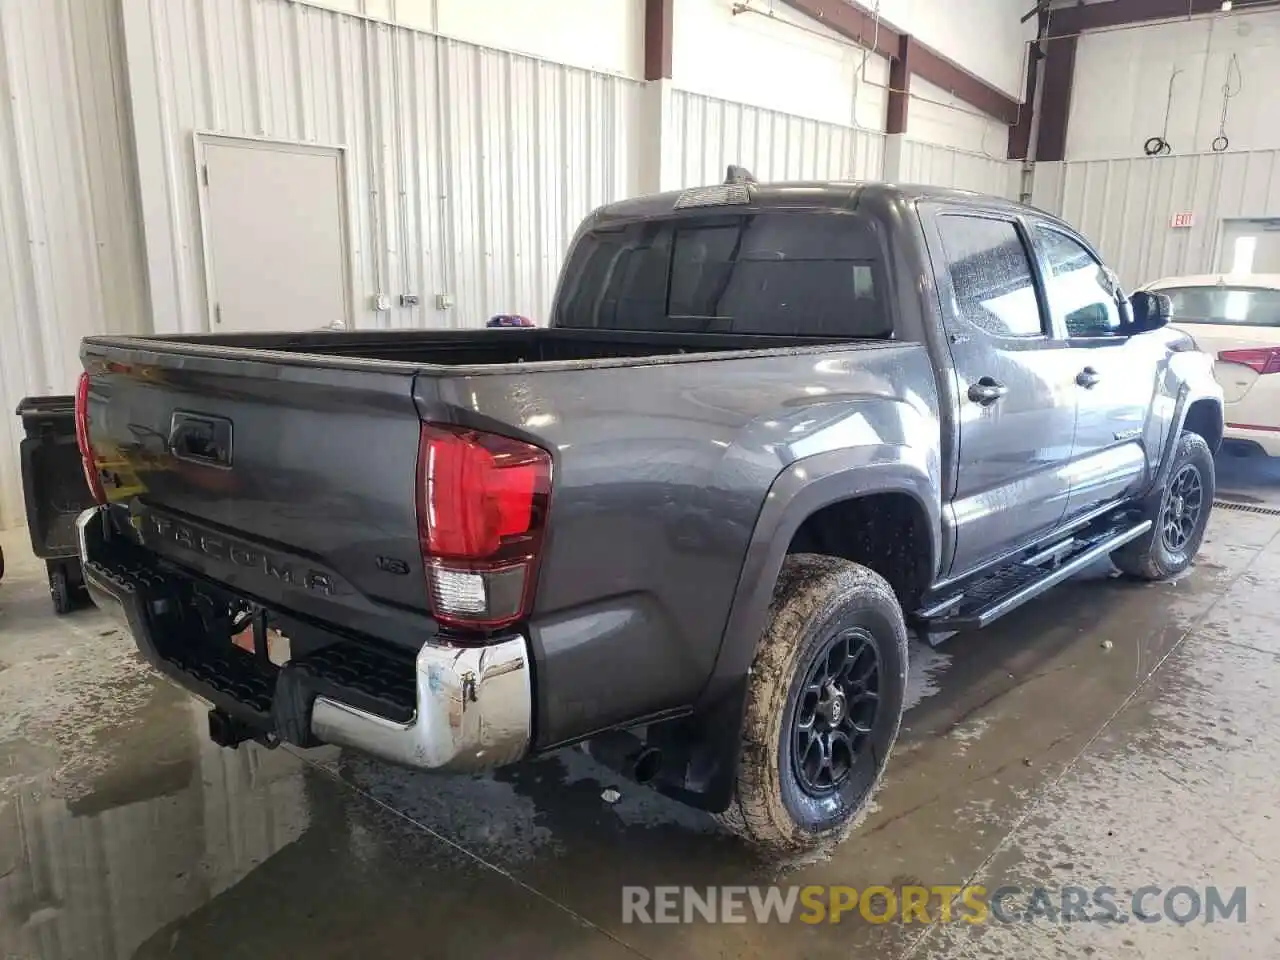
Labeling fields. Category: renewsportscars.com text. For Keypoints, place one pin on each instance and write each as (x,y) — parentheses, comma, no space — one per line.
(937,904)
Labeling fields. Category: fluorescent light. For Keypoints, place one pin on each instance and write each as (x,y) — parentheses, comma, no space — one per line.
(1226,5)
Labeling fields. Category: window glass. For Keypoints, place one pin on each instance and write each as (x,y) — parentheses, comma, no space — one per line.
(1244,306)
(1079,288)
(618,281)
(991,274)
(797,274)
(700,269)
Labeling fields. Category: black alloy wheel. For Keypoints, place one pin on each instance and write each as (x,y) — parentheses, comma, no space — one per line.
(836,712)
(1182,508)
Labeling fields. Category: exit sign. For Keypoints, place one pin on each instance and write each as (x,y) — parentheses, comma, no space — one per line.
(1183,220)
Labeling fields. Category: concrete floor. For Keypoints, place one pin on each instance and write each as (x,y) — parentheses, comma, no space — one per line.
(1037,753)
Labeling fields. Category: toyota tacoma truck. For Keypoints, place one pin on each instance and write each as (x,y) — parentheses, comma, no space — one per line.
(768,429)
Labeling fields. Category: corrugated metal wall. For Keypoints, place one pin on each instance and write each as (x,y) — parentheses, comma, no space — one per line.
(70,251)
(1167,79)
(468,168)
(1126,206)
(947,167)
(705,135)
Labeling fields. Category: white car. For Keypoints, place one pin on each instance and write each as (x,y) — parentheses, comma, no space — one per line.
(1236,319)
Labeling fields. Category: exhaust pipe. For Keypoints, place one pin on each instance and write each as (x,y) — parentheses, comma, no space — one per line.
(627,754)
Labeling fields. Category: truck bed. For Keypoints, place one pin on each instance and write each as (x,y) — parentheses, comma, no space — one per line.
(662,446)
(497,347)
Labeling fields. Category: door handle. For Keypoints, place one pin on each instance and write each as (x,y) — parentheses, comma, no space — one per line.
(987,391)
(1088,378)
(200,439)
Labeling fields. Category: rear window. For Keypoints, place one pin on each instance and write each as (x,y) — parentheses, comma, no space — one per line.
(792,274)
(1241,306)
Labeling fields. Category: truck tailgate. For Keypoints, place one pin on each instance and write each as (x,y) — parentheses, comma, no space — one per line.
(291,483)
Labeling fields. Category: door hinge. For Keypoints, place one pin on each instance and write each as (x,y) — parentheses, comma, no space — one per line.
(217,313)
(204,173)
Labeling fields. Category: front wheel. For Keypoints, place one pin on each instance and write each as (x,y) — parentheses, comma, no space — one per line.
(824,703)
(1179,515)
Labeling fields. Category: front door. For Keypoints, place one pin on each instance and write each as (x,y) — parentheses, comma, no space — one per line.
(1114,374)
(1017,397)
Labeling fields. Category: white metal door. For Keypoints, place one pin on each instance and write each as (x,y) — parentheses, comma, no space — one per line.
(275,243)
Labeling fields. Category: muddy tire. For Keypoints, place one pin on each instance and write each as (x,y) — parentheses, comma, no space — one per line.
(60,592)
(1179,515)
(824,703)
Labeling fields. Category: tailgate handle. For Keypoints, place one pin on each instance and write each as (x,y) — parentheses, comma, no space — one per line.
(199,438)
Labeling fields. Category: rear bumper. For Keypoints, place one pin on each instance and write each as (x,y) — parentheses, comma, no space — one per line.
(472,706)
(473,712)
(1267,439)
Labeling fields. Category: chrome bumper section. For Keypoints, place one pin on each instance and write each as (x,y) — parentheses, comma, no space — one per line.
(474,707)
(474,703)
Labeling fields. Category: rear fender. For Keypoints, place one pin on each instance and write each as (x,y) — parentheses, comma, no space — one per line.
(805,487)
(705,746)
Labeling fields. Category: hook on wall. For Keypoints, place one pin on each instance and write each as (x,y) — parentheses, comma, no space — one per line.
(1222,141)
(1159,146)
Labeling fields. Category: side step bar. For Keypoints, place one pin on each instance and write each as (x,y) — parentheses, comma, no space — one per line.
(1026,582)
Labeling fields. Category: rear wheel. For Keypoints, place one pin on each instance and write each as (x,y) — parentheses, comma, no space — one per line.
(1179,515)
(823,706)
(60,591)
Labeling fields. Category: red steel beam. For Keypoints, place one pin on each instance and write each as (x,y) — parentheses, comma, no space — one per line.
(1020,132)
(852,21)
(1055,102)
(659,20)
(945,73)
(857,23)
(899,97)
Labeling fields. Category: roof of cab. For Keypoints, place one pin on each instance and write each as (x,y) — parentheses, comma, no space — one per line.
(809,194)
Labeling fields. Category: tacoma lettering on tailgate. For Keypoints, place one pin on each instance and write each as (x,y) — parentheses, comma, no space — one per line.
(220,547)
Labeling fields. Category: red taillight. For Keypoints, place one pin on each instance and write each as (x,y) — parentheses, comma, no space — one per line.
(482,509)
(91,476)
(1260,359)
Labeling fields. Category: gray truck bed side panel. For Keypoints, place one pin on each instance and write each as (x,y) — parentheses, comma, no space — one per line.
(660,472)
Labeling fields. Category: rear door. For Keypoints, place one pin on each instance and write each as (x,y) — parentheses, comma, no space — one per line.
(1017,396)
(1113,374)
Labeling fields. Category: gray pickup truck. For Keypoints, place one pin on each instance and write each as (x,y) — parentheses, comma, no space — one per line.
(769,428)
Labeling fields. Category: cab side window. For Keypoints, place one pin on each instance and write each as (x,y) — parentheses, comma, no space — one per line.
(1079,288)
(991,274)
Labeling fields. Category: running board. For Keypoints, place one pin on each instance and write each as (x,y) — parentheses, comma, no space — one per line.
(1011,588)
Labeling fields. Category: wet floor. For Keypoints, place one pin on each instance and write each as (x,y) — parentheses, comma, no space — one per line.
(1109,735)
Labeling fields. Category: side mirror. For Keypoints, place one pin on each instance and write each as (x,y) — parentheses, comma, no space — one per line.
(1150,310)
